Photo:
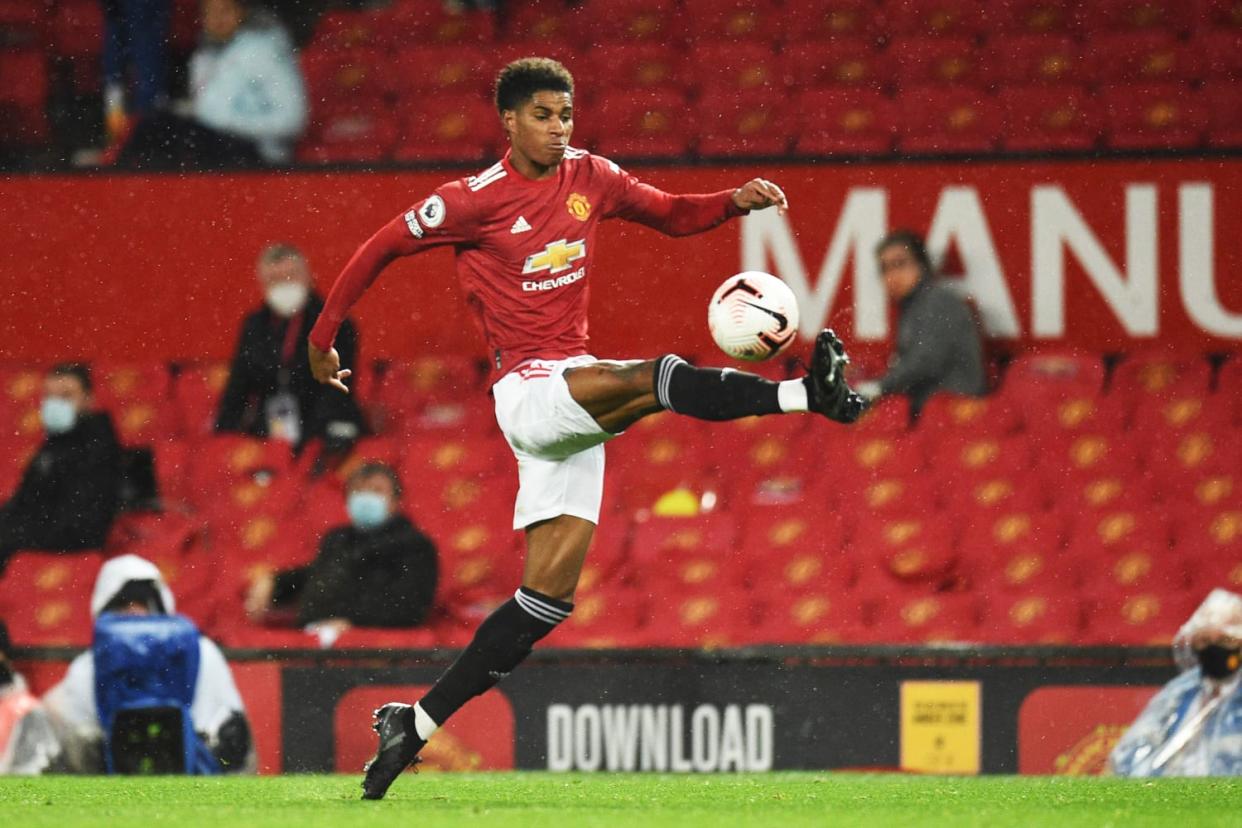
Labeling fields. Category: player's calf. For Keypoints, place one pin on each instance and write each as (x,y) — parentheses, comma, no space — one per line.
(722,393)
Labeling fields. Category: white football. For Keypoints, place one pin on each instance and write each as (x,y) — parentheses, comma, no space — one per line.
(753,316)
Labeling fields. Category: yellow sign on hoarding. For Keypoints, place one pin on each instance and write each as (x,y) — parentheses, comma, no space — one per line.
(940,726)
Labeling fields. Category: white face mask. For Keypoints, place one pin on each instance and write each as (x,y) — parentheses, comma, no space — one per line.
(58,414)
(287,298)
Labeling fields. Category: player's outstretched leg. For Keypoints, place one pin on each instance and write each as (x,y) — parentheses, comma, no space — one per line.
(725,394)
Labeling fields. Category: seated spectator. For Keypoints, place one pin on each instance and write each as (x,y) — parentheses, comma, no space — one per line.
(937,347)
(28,745)
(1193,726)
(67,497)
(247,102)
(379,571)
(270,390)
(130,587)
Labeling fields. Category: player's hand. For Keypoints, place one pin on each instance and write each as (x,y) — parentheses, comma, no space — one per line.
(759,194)
(326,367)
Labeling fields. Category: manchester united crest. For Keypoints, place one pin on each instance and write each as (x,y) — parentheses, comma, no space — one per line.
(578,206)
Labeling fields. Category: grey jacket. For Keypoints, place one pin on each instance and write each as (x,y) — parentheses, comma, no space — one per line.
(937,347)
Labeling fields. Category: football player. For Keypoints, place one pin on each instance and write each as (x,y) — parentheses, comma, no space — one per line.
(523,232)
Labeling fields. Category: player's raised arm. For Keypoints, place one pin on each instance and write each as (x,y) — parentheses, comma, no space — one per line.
(686,214)
(437,220)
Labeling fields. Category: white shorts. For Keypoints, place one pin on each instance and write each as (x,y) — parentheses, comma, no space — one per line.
(558,445)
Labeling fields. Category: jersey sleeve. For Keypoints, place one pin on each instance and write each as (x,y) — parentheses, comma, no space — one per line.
(443,218)
(673,215)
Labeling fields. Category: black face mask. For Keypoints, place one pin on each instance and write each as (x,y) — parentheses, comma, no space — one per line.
(1218,662)
(6,674)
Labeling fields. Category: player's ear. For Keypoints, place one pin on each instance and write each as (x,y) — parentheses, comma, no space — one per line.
(508,120)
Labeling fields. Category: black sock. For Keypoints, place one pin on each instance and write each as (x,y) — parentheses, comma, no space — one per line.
(712,393)
(501,643)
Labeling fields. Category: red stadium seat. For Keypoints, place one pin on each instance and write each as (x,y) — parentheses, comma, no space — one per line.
(1222,14)
(1102,491)
(463,132)
(954,119)
(732,68)
(744,124)
(1019,59)
(1137,619)
(826,19)
(1208,490)
(344,29)
(990,416)
(1221,57)
(45,599)
(343,78)
(625,68)
(824,616)
(889,415)
(957,456)
(1092,454)
(968,494)
(919,547)
(480,561)
(1162,375)
(1030,562)
(1052,376)
(536,21)
(998,536)
(704,619)
(861,458)
(196,395)
(1044,118)
(432,23)
(23,96)
(1036,617)
(423,69)
(349,133)
(77,30)
(928,619)
(1148,56)
(604,619)
(1224,102)
(1153,116)
(845,122)
(123,382)
(932,60)
(22,23)
(851,62)
(942,18)
(1032,16)
(1134,15)
(1140,569)
(1194,454)
(666,543)
(655,123)
(786,549)
(627,21)
(1161,419)
(738,21)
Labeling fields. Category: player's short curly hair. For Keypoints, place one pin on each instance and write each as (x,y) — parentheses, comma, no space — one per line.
(521,79)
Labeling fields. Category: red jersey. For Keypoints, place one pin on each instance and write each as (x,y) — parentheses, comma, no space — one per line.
(523,249)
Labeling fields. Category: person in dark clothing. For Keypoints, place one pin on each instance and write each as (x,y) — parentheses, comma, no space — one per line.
(270,390)
(938,347)
(380,555)
(68,494)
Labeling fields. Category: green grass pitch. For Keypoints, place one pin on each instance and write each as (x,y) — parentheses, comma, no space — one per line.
(516,800)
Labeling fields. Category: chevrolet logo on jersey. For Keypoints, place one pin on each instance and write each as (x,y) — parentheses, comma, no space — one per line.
(556,257)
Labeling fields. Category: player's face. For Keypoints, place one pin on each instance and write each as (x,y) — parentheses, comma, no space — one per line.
(540,128)
(900,270)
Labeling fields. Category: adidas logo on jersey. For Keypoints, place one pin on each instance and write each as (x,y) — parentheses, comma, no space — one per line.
(520,226)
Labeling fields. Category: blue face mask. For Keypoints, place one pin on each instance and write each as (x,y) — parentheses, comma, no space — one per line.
(367,510)
(58,415)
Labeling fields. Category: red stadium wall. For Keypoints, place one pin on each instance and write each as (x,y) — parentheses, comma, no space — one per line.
(1098,254)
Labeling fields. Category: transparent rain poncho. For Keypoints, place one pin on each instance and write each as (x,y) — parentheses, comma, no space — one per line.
(28,744)
(1193,726)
